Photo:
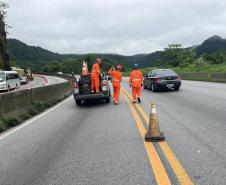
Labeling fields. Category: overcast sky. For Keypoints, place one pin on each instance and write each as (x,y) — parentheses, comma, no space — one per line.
(114,26)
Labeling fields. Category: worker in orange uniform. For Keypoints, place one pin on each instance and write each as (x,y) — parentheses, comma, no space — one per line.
(136,82)
(95,76)
(116,79)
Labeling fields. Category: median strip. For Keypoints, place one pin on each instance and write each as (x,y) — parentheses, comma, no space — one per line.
(29,102)
(175,164)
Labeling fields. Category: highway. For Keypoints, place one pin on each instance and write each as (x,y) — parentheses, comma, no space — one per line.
(100,143)
(41,80)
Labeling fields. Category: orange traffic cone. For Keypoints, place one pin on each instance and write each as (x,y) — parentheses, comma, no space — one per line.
(84,69)
(154,133)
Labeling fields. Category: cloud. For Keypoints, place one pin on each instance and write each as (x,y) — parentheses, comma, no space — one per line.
(114,26)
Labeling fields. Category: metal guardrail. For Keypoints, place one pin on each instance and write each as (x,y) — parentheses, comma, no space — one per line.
(204,76)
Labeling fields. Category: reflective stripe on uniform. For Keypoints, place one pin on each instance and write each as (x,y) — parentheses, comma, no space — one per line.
(136,80)
(116,80)
(94,71)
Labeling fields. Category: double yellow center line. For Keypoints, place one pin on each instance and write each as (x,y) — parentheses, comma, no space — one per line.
(156,164)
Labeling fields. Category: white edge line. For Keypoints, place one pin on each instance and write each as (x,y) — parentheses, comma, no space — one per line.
(29,121)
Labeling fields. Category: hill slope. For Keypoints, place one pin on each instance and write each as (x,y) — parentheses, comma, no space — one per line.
(37,57)
(211,45)
(23,54)
(20,51)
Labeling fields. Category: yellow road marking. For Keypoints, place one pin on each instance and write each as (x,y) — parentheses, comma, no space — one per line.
(157,166)
(178,169)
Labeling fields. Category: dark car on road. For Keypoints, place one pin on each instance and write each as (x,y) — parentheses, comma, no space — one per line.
(162,79)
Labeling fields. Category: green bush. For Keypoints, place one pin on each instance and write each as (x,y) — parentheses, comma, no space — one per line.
(3,127)
(24,116)
(200,63)
(184,65)
(38,106)
(33,111)
(11,121)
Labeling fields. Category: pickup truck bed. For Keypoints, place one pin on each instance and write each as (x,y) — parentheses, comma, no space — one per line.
(82,91)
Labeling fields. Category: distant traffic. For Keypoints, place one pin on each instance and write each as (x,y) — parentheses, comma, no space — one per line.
(9,80)
(14,79)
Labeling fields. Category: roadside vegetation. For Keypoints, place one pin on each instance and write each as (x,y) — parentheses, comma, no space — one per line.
(36,108)
(210,56)
(183,60)
(188,62)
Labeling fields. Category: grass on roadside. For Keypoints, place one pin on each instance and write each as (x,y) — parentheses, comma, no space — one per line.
(8,122)
(218,68)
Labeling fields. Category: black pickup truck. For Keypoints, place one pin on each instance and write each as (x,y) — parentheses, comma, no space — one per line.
(82,90)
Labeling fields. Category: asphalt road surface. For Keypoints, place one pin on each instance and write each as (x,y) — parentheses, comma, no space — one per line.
(101,143)
(39,80)
(42,81)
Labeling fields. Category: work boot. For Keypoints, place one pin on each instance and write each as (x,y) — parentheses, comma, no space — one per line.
(134,101)
(116,102)
(139,100)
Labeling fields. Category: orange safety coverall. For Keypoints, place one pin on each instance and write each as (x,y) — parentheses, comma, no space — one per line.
(95,81)
(116,79)
(135,80)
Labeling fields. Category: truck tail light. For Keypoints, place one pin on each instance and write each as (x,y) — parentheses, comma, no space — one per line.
(75,85)
(104,82)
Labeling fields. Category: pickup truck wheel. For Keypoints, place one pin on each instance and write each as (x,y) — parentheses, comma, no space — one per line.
(78,102)
(107,100)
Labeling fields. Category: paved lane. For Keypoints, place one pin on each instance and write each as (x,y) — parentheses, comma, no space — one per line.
(55,80)
(96,144)
(194,122)
(101,144)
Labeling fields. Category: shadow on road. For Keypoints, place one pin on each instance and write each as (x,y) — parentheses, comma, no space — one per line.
(93,103)
(164,91)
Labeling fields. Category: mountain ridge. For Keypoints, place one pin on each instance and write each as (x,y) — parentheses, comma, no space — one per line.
(24,54)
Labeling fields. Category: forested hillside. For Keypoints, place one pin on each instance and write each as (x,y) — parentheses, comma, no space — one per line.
(40,59)
(212,51)
(211,45)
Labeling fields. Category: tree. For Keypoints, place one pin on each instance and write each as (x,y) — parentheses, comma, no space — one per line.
(215,58)
(175,55)
(4,56)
